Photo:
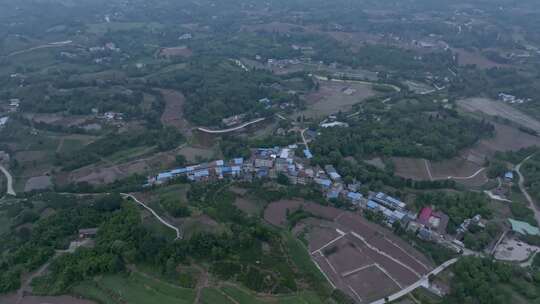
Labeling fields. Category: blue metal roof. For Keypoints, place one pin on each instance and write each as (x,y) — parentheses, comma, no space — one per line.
(238,161)
(333,194)
(354,195)
(372,205)
(164,175)
(308,154)
(324,182)
(179,171)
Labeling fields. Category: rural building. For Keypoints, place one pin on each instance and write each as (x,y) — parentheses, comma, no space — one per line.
(354,197)
(435,220)
(335,124)
(3,121)
(88,233)
(331,171)
(388,201)
(509,176)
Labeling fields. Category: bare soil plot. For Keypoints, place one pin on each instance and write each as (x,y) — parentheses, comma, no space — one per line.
(9,299)
(507,138)
(464,167)
(361,258)
(325,212)
(173,115)
(200,224)
(456,167)
(192,153)
(179,51)
(319,235)
(106,173)
(465,58)
(496,108)
(413,168)
(30,156)
(38,183)
(345,256)
(376,287)
(276,212)
(335,96)
(248,206)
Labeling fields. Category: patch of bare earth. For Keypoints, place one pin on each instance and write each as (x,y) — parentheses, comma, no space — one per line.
(276,212)
(179,51)
(466,58)
(246,205)
(496,108)
(173,115)
(335,96)
(363,259)
(413,168)
(44,300)
(105,174)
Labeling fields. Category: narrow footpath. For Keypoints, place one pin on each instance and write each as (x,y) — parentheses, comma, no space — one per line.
(9,178)
(159,218)
(532,204)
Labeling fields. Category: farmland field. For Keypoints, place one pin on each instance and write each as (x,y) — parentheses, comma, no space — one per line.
(495,108)
(466,57)
(135,289)
(333,97)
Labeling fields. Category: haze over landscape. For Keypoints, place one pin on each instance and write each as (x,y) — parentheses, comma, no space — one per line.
(269,152)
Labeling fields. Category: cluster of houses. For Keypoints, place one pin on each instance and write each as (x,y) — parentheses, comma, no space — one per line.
(282,161)
(512,99)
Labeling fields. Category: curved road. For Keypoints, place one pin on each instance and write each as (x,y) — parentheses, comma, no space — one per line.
(159,218)
(203,129)
(424,281)
(428,169)
(9,178)
(521,183)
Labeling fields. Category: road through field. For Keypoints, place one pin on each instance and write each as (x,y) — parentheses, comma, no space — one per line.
(9,178)
(431,178)
(159,218)
(424,281)
(203,129)
(531,202)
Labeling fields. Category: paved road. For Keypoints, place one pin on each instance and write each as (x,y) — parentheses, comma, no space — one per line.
(424,281)
(203,129)
(304,138)
(44,46)
(531,202)
(159,218)
(9,178)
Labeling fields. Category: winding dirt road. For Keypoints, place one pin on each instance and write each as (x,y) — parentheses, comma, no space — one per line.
(532,204)
(159,218)
(9,178)
(205,130)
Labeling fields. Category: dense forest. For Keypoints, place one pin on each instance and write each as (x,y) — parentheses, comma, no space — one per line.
(484,281)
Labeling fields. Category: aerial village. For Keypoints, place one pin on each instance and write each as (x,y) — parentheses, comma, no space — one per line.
(292,162)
